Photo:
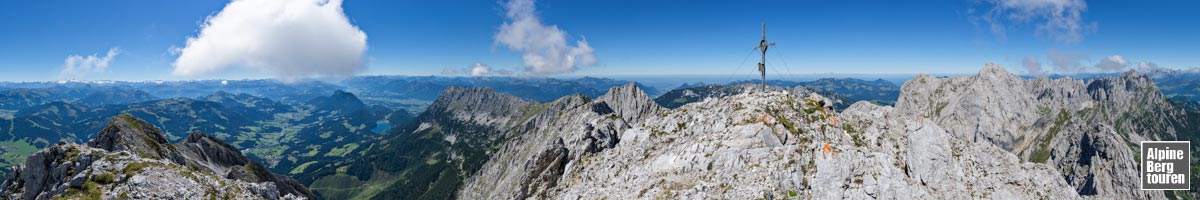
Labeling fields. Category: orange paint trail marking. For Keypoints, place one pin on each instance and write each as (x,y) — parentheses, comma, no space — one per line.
(827,149)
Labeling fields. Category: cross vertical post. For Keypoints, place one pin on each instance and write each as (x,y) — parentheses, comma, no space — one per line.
(762,46)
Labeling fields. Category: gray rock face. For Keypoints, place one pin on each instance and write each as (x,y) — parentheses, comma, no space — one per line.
(131,160)
(630,103)
(752,146)
(1082,129)
(992,135)
(482,103)
(126,133)
(1096,161)
(210,153)
(213,155)
(992,106)
(545,169)
(570,128)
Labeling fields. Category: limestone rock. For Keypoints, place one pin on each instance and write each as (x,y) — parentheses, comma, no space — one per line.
(630,103)
(990,135)
(1074,125)
(130,159)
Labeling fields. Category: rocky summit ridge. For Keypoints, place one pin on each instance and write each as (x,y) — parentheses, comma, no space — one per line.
(131,159)
(989,135)
(1090,131)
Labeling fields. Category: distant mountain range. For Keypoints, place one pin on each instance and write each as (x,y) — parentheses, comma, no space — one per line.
(439,137)
(844,91)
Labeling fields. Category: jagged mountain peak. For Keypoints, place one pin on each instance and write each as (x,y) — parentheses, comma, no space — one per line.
(1041,120)
(220,158)
(131,159)
(128,133)
(630,102)
(476,100)
(991,70)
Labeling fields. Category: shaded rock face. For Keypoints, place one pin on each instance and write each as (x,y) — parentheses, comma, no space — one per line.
(130,159)
(603,135)
(1084,130)
(570,128)
(1095,159)
(214,155)
(212,152)
(544,171)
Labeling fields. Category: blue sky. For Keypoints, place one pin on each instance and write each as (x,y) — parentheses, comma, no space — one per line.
(630,37)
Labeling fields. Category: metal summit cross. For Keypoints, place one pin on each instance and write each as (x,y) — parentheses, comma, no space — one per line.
(762,66)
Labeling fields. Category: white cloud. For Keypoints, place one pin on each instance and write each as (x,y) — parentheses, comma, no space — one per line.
(289,39)
(1146,66)
(1061,20)
(477,69)
(1112,63)
(83,67)
(480,69)
(544,48)
(1032,66)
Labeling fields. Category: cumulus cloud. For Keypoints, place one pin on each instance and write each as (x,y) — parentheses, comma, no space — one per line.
(1147,66)
(477,69)
(1061,20)
(1032,65)
(289,39)
(544,47)
(1112,63)
(80,67)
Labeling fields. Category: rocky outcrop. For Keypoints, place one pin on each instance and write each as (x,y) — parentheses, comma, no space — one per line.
(749,145)
(530,164)
(991,135)
(993,106)
(482,105)
(1086,130)
(630,103)
(210,153)
(214,155)
(130,159)
(545,169)
(568,129)
(126,133)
